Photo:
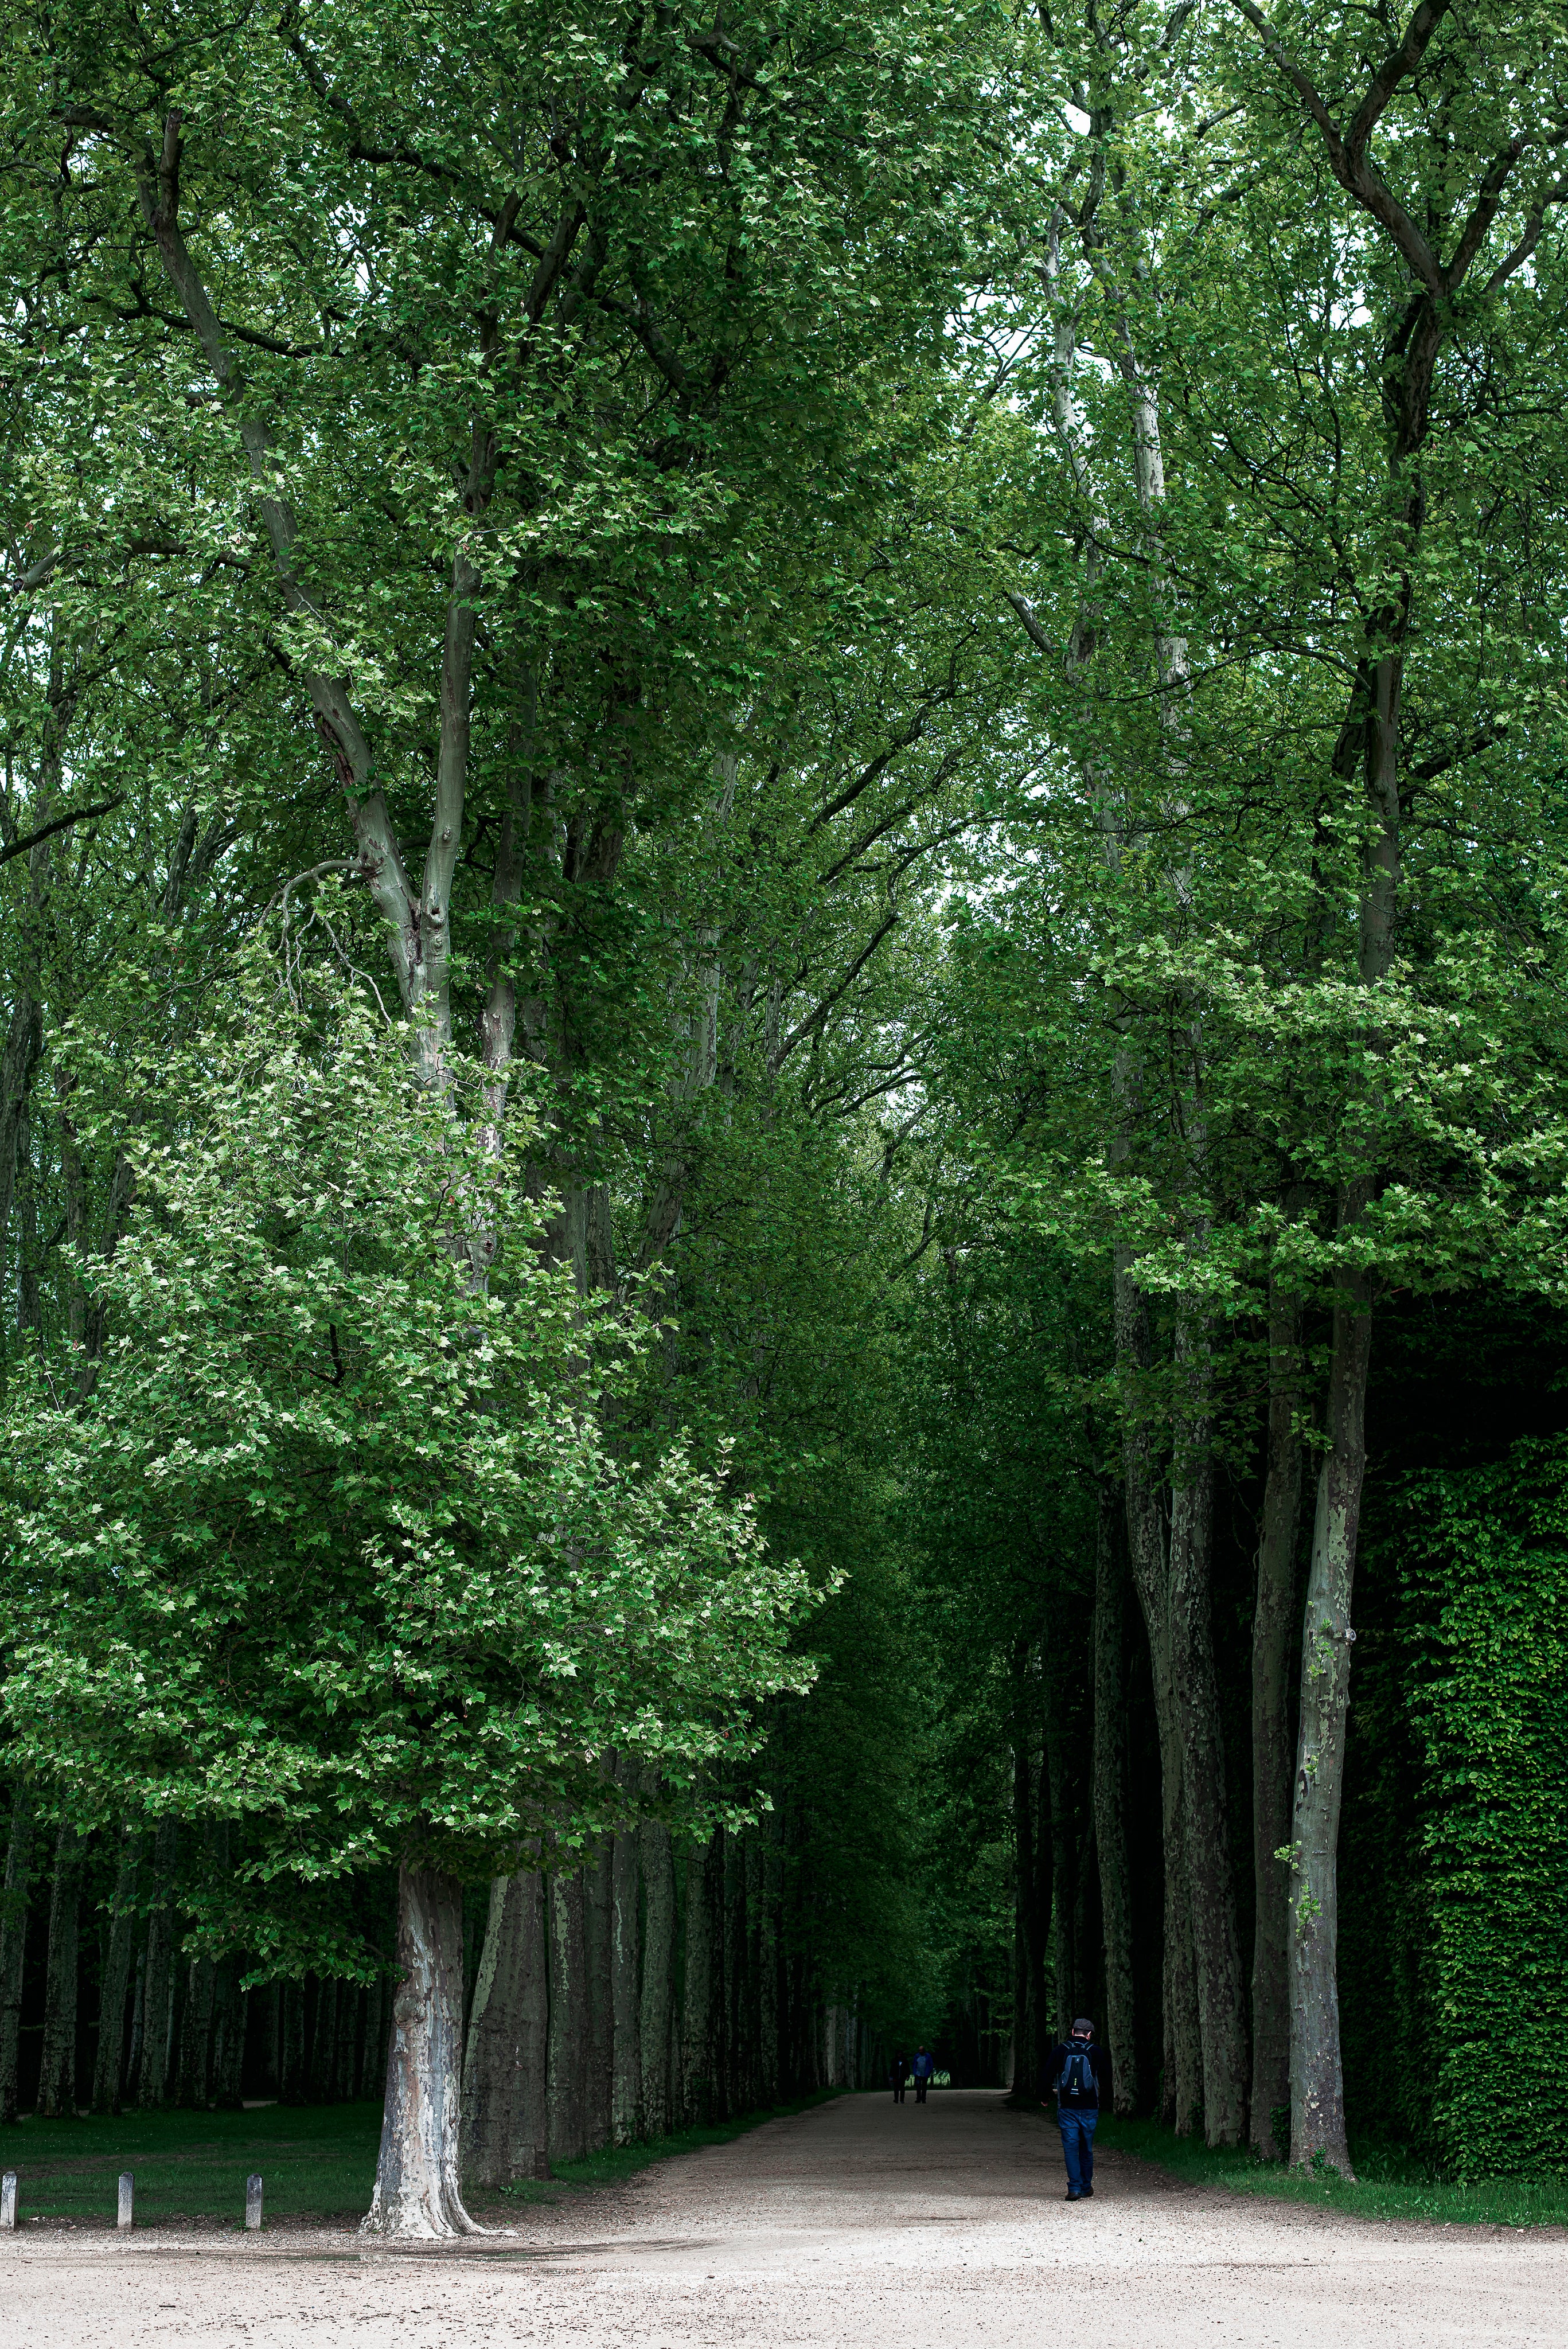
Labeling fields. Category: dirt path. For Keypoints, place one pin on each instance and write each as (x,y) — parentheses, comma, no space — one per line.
(861,2222)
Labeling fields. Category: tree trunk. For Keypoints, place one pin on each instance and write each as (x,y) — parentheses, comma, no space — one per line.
(57,2074)
(598,2070)
(196,2035)
(1057,1764)
(14,1941)
(1181,2101)
(567,2065)
(1271,1731)
(771,2034)
(324,2038)
(1147,1548)
(1317,2075)
(157,1977)
(626,1988)
(1216,1948)
(1110,1800)
(505,2126)
(755,2090)
(226,2074)
(119,1958)
(418,2195)
(697,2017)
(658,2015)
(1028,1969)
(734,2053)
(291,2088)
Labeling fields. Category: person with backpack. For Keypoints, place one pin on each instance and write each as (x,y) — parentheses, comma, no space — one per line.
(899,2074)
(924,2065)
(1073,2072)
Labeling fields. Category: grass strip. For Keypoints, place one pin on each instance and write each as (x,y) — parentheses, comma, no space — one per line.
(317,2161)
(1389,2183)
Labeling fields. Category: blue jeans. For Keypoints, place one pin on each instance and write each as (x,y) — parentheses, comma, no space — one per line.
(1076,2123)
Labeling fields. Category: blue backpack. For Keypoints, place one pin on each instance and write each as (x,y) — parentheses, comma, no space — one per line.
(1078,2073)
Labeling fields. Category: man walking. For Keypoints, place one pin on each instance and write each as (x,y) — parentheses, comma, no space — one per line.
(900,2073)
(1074,2070)
(924,2065)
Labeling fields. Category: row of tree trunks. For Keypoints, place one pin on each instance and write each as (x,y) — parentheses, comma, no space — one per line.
(640,1992)
(644,1990)
(171,2028)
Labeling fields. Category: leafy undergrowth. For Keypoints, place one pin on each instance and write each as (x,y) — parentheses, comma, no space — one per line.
(1389,2183)
(615,2162)
(316,2161)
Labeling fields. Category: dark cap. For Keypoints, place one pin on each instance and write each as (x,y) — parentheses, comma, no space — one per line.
(1083,2028)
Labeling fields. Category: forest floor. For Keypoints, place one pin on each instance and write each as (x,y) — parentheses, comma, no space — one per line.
(854,2223)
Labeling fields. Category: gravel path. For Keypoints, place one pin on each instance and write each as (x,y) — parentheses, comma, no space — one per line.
(860,2222)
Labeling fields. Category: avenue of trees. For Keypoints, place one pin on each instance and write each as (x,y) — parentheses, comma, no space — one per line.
(782,1109)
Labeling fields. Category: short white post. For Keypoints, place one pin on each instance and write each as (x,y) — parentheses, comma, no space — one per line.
(8,2199)
(127,2197)
(253,2201)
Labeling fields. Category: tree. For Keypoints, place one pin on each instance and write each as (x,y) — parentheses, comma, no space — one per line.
(337,1547)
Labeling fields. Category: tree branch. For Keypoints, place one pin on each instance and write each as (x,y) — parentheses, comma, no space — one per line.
(61,824)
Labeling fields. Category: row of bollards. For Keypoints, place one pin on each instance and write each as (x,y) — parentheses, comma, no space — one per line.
(126,2208)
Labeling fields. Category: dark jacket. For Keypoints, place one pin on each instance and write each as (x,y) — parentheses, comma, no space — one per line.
(1051,2071)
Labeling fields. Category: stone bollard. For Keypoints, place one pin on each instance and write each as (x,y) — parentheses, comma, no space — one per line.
(253,2201)
(127,2198)
(8,2199)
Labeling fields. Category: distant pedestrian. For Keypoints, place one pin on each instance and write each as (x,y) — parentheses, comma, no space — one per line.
(1073,2073)
(924,2065)
(900,2073)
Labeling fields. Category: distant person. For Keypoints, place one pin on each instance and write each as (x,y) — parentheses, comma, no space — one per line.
(924,2065)
(900,2073)
(1073,2073)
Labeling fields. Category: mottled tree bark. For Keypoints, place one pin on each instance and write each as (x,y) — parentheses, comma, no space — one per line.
(418,2194)
(1317,2074)
(1110,1797)
(599,2060)
(158,1976)
(1179,2089)
(13,1941)
(506,2118)
(567,2083)
(1216,1947)
(119,1959)
(658,2015)
(58,2073)
(626,1988)
(698,1990)
(1271,1626)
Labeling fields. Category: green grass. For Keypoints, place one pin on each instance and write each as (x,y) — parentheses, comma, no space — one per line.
(1389,2184)
(316,2161)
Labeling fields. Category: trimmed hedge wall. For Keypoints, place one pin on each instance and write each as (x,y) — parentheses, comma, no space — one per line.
(1485,1699)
